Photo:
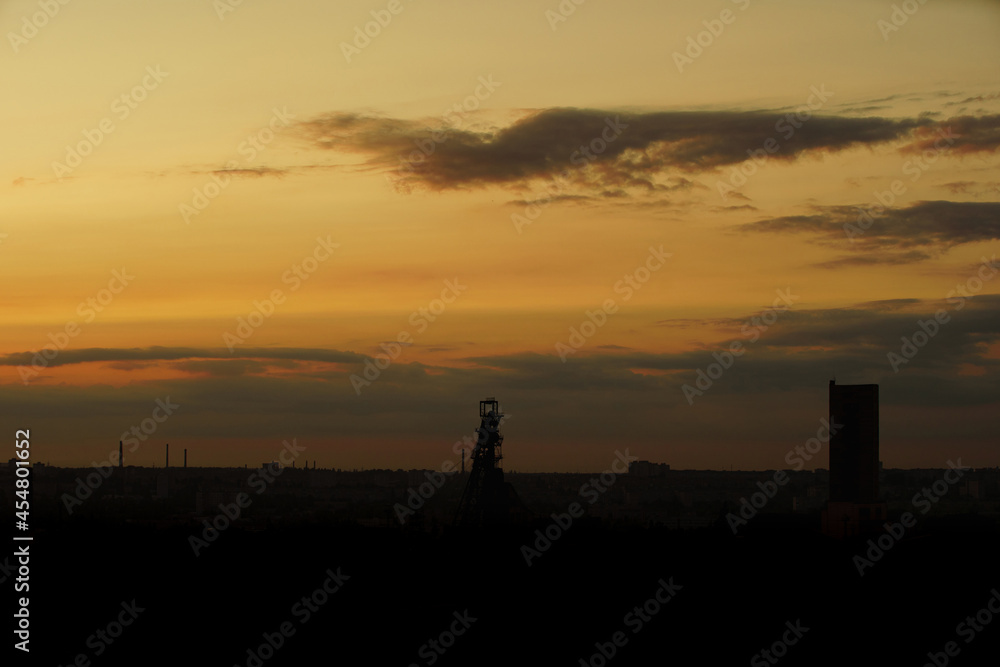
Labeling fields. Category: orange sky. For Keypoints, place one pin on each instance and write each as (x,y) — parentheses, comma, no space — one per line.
(172,101)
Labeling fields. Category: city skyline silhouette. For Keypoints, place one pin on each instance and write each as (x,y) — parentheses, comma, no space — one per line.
(548,332)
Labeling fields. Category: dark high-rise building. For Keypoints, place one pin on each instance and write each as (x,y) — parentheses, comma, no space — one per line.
(854,508)
(854,443)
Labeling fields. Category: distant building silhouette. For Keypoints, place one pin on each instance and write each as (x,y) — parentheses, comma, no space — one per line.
(162,486)
(854,506)
(648,469)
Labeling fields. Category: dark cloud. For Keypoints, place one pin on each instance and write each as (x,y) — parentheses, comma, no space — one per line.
(865,109)
(887,305)
(972,324)
(977,98)
(541,201)
(960,134)
(972,188)
(959,187)
(876,259)
(123,355)
(893,236)
(629,149)
(231,367)
(865,331)
(600,399)
(255,172)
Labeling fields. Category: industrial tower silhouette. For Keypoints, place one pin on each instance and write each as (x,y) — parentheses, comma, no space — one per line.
(485,499)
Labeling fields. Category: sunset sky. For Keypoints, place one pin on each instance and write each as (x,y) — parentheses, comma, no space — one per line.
(473,180)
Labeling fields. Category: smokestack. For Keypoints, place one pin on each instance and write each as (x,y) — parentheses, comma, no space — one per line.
(120,454)
(167,465)
(185,457)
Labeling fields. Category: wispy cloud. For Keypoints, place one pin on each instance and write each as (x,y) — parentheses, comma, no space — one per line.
(896,236)
(120,355)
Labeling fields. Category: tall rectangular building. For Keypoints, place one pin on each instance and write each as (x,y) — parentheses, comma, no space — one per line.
(854,462)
